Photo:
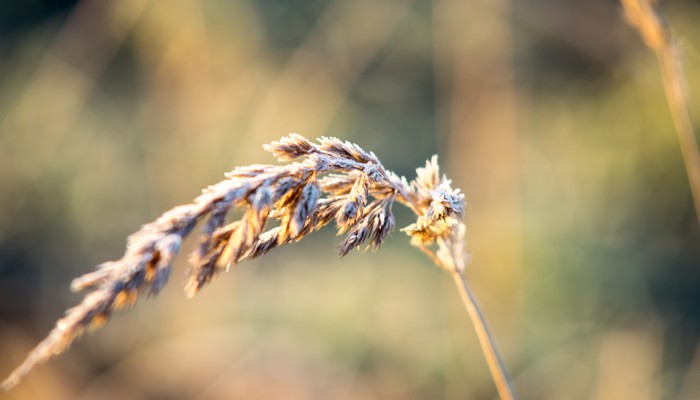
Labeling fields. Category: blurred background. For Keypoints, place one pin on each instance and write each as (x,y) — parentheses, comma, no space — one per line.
(549,114)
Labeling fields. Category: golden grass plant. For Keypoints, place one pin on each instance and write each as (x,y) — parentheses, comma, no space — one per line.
(334,181)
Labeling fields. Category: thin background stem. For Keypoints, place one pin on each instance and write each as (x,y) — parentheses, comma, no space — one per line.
(642,15)
(677,102)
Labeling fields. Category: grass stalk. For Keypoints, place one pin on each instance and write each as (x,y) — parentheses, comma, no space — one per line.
(677,101)
(487,341)
(452,258)
(649,22)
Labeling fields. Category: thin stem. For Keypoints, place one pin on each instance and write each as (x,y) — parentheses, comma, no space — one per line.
(677,102)
(494,360)
(649,22)
(452,259)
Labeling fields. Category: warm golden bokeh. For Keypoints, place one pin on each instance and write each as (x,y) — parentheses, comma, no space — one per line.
(550,115)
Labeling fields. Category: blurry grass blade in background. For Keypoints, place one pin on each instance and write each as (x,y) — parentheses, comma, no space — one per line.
(647,18)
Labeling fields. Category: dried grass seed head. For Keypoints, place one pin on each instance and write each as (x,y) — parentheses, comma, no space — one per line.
(336,181)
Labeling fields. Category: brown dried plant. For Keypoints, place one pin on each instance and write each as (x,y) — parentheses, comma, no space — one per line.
(336,181)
